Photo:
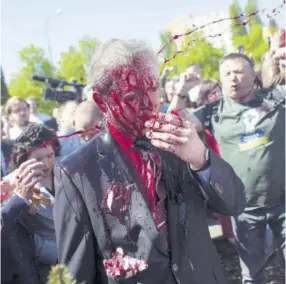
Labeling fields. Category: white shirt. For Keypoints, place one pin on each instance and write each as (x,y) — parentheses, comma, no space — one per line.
(14,133)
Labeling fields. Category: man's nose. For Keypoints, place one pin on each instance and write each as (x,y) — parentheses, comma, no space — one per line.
(233,78)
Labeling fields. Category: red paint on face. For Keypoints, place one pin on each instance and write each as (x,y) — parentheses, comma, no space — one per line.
(129,97)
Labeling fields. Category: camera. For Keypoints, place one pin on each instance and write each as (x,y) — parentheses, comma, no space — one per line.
(57,92)
(58,96)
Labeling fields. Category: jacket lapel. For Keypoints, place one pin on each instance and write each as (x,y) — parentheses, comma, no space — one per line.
(117,170)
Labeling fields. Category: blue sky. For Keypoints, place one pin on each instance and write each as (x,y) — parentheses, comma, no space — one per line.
(23,22)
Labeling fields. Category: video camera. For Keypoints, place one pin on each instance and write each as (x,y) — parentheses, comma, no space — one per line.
(57,92)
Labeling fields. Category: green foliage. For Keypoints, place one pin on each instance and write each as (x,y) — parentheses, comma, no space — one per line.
(72,65)
(33,61)
(59,275)
(171,47)
(238,30)
(255,44)
(86,47)
(251,7)
(195,49)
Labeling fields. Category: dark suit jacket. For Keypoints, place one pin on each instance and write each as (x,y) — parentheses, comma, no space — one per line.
(18,262)
(6,147)
(86,234)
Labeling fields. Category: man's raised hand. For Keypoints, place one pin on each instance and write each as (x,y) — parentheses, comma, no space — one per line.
(170,132)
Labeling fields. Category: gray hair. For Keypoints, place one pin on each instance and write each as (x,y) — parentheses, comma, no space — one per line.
(118,53)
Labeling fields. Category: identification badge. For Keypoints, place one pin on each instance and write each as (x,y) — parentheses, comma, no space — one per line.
(253,140)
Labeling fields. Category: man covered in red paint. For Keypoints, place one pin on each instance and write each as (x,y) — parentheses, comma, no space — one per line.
(130,204)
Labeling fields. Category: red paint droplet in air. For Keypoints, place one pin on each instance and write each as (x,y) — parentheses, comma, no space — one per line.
(244,23)
(273,11)
(175,37)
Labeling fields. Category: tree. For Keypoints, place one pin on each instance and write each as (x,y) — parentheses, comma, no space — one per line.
(252,11)
(196,49)
(71,65)
(32,61)
(253,41)
(255,44)
(86,47)
(238,28)
(74,62)
(4,91)
(170,47)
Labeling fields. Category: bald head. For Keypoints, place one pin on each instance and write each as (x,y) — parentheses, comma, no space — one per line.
(87,115)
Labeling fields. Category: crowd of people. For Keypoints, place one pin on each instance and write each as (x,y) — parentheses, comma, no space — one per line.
(120,186)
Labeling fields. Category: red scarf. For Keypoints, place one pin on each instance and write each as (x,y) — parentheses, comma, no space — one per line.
(144,166)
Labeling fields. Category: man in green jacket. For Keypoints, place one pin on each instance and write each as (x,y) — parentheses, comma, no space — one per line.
(249,126)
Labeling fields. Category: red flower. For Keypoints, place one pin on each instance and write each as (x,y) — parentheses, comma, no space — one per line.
(123,265)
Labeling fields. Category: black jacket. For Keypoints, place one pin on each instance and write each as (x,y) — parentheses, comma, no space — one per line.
(86,234)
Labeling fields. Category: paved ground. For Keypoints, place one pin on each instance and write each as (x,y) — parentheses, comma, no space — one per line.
(230,263)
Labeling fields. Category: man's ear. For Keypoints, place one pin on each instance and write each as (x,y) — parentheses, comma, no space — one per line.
(99,101)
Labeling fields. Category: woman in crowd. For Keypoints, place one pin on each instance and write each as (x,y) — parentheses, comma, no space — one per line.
(28,239)
(18,113)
